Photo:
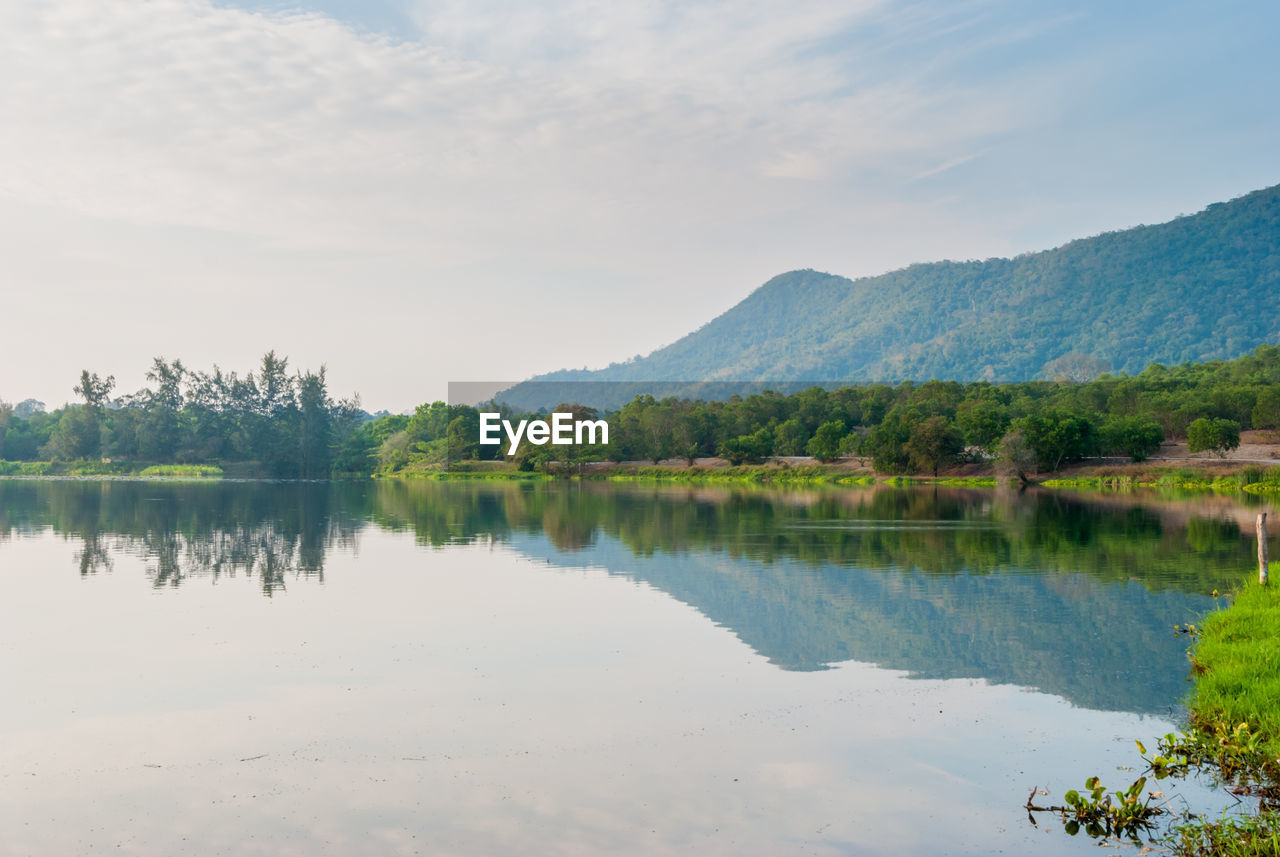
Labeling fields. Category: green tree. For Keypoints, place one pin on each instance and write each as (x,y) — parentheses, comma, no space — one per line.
(78,433)
(694,433)
(315,425)
(825,444)
(429,422)
(94,389)
(657,425)
(158,433)
(1209,434)
(6,412)
(1266,410)
(632,435)
(982,422)
(790,437)
(748,448)
(463,436)
(1137,437)
(273,419)
(1056,437)
(1014,456)
(887,442)
(932,443)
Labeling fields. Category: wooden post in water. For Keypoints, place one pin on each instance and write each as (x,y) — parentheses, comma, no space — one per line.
(1262,548)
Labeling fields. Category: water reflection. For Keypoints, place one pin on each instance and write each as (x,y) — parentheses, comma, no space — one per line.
(271,532)
(939,532)
(273,528)
(1041,590)
(493,669)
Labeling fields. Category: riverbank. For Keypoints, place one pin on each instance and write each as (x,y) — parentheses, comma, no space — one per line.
(1235,726)
(1196,475)
(107,470)
(1213,474)
(1237,671)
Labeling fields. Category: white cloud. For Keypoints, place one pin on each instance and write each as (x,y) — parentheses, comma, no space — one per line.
(530,160)
(508,116)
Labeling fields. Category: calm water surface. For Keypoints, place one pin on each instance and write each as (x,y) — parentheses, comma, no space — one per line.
(314,669)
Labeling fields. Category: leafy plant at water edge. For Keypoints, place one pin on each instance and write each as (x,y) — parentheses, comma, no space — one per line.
(1235,752)
(1122,813)
(1127,816)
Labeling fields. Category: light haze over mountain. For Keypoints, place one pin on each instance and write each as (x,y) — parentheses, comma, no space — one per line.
(418,192)
(1200,287)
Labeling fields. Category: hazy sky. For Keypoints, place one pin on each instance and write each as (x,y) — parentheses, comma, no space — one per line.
(419,192)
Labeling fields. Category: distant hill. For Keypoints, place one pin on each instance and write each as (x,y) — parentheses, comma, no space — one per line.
(1201,287)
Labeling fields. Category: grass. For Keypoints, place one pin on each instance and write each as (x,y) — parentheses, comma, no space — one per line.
(1235,724)
(461,473)
(950,481)
(184,471)
(1114,481)
(25,468)
(108,469)
(1252,478)
(743,473)
(1239,836)
(1234,736)
(1237,661)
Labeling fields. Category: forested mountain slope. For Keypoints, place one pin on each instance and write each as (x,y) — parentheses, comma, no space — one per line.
(1201,287)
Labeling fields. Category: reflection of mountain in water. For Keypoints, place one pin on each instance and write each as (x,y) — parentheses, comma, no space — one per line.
(1108,646)
(1039,590)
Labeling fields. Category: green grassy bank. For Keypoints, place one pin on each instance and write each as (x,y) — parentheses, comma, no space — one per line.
(1235,725)
(1237,664)
(1251,479)
(108,469)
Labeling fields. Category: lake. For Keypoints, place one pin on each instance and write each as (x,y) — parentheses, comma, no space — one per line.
(584,668)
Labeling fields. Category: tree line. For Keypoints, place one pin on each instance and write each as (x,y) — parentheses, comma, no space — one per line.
(282,423)
(287,425)
(904,428)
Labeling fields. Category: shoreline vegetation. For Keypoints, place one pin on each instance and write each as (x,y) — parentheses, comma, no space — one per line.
(1232,737)
(1236,662)
(1208,475)
(106,470)
(277,423)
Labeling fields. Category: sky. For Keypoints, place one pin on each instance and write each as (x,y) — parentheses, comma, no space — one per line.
(414,192)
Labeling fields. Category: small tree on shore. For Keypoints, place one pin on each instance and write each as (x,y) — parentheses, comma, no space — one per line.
(825,443)
(6,410)
(1014,457)
(1136,437)
(932,443)
(748,448)
(1213,435)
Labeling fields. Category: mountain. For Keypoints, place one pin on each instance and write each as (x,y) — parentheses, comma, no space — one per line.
(1202,287)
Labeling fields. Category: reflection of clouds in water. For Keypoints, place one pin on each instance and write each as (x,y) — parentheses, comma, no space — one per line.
(917,579)
(468,700)
(444,720)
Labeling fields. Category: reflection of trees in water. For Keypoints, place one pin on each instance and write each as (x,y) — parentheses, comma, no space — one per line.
(941,583)
(261,549)
(94,555)
(936,582)
(278,530)
(271,531)
(943,531)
